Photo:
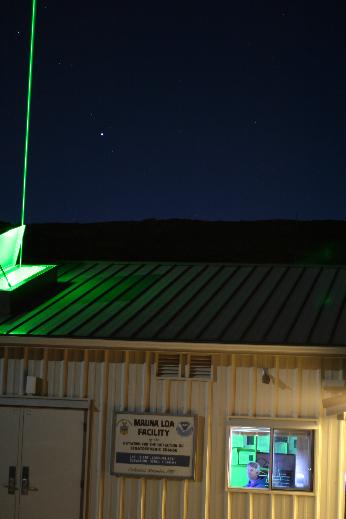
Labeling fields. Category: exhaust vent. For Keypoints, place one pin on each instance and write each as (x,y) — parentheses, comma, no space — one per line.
(168,366)
(184,367)
(200,366)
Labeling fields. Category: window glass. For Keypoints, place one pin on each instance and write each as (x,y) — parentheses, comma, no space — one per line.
(262,457)
(292,460)
(249,457)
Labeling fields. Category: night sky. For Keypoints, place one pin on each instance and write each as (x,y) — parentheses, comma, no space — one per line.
(175,110)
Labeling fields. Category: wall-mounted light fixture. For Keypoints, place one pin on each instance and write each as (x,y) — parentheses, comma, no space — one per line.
(265,376)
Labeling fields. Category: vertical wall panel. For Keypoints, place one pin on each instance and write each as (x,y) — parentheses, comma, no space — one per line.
(15,371)
(56,365)
(155,489)
(287,382)
(178,402)
(305,508)
(245,386)
(283,507)
(331,469)
(136,379)
(265,394)
(36,363)
(196,490)
(111,488)
(240,506)
(114,488)
(261,506)
(333,372)
(96,368)
(220,410)
(174,488)
(311,388)
(265,402)
(75,374)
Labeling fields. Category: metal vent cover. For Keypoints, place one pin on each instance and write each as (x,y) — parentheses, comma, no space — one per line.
(180,366)
(168,366)
(200,366)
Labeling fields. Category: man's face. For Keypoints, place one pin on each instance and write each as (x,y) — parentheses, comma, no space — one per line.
(252,473)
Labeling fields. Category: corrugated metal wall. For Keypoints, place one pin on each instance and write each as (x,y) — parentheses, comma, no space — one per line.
(127,381)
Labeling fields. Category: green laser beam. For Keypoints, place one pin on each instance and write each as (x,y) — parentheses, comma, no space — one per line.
(27,128)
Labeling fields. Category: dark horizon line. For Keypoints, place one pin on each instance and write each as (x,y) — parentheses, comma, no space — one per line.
(178,219)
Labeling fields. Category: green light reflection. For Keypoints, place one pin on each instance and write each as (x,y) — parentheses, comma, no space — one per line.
(31,59)
(12,275)
(20,275)
(10,243)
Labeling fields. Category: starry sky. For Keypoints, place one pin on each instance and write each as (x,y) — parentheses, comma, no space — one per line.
(204,111)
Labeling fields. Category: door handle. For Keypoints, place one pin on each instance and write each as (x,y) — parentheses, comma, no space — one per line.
(11,485)
(25,483)
(24,486)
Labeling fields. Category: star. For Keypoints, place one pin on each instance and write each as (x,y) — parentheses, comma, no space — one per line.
(101,133)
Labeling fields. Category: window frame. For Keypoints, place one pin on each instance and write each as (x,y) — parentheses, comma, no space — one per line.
(281,424)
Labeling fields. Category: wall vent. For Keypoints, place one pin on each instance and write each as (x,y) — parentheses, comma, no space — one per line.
(168,366)
(183,366)
(200,366)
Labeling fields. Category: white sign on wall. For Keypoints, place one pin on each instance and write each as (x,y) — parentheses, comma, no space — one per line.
(153,445)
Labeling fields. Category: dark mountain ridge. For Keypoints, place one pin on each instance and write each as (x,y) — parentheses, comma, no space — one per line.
(272,241)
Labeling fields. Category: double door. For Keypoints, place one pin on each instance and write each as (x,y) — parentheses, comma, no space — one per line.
(41,463)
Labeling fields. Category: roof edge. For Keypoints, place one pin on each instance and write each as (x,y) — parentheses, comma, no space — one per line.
(123,345)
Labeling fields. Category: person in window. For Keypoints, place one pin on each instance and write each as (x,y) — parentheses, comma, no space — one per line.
(255,480)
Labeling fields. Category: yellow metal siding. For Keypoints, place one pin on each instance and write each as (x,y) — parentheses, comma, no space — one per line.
(126,381)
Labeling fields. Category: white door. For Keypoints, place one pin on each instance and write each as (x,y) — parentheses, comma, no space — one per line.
(49,471)
(9,460)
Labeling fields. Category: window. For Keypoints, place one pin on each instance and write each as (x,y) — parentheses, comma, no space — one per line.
(266,457)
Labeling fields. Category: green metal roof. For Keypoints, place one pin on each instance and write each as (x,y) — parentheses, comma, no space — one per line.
(233,304)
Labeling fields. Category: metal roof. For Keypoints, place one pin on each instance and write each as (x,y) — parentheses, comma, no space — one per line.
(233,304)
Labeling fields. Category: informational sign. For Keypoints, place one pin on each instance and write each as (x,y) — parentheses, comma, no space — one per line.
(154,445)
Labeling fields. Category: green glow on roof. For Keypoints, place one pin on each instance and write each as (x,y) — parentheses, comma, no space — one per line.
(12,275)
(10,243)
(20,275)
(31,59)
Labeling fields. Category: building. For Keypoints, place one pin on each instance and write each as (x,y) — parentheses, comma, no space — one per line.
(245,362)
